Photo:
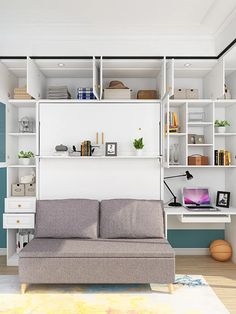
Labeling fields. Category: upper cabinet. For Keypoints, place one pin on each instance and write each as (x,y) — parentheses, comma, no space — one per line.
(230,73)
(135,74)
(195,78)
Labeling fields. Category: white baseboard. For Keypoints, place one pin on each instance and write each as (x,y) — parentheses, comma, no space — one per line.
(191,251)
(3,251)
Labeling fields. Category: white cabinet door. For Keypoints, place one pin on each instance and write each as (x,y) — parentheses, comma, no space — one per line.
(165,130)
(101,78)
(8,82)
(170,77)
(96,78)
(214,81)
(35,80)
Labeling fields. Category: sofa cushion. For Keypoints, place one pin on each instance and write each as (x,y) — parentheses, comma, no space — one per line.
(69,218)
(62,248)
(130,218)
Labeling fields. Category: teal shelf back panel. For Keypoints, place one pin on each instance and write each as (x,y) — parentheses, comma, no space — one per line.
(2,132)
(193,238)
(3,192)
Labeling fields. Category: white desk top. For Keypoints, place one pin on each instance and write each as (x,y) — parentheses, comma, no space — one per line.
(183,211)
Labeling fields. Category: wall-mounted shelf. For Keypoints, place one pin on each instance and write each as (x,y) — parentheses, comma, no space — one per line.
(22,103)
(225,134)
(21,166)
(100,157)
(207,166)
(22,134)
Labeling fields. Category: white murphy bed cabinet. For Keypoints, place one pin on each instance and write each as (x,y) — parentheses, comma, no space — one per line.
(71,121)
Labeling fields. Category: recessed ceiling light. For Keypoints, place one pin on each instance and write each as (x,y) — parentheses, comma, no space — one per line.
(61,65)
(187,65)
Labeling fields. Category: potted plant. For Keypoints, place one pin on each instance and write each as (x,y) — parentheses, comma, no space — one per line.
(25,157)
(220,125)
(138,145)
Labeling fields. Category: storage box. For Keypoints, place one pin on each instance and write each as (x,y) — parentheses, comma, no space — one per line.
(17,189)
(148,94)
(30,189)
(197,160)
(180,93)
(116,93)
(192,93)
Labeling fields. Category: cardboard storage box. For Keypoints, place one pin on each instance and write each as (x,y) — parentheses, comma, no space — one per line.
(30,189)
(197,160)
(192,93)
(180,93)
(18,189)
(117,93)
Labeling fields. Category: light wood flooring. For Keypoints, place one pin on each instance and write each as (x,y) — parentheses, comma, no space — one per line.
(220,276)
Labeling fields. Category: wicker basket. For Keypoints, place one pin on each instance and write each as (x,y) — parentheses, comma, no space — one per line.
(147,94)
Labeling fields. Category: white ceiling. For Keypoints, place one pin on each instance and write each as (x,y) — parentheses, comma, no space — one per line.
(107,17)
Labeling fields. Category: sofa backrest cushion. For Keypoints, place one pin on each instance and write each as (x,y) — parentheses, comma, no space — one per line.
(68,218)
(130,218)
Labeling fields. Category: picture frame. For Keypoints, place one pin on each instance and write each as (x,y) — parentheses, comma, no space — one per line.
(199,139)
(111,149)
(222,199)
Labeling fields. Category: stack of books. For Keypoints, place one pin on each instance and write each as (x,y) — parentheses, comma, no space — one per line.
(23,237)
(21,93)
(85,93)
(222,158)
(58,92)
(86,148)
(173,122)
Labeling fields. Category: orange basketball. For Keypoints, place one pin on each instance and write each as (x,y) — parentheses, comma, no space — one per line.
(220,250)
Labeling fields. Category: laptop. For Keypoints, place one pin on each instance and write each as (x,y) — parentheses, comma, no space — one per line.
(197,199)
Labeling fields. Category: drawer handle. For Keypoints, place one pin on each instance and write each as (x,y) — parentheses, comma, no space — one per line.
(19,205)
(18,221)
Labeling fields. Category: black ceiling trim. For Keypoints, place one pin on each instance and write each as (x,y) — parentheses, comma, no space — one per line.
(133,57)
(61,57)
(227,48)
(13,57)
(193,57)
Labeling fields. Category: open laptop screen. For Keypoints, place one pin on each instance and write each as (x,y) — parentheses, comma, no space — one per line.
(193,196)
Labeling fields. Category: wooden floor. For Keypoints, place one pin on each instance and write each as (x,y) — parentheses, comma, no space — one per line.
(220,276)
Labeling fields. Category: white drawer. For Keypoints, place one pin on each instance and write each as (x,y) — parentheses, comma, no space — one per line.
(12,221)
(23,205)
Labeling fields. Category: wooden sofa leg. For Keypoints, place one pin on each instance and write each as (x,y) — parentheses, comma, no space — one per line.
(171,288)
(23,288)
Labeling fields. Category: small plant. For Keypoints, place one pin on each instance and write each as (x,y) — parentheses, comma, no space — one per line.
(221,123)
(23,154)
(138,143)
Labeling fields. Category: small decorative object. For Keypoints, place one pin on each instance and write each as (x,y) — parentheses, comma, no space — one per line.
(196,116)
(199,139)
(222,199)
(30,189)
(192,93)
(227,94)
(220,125)
(28,179)
(25,157)
(197,160)
(61,148)
(220,250)
(26,125)
(180,93)
(191,138)
(148,94)
(176,154)
(138,145)
(111,149)
(17,189)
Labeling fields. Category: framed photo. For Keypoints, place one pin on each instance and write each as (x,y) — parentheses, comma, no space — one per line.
(222,199)
(111,149)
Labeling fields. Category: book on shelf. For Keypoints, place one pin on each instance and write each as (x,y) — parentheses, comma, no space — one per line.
(173,122)
(86,148)
(222,157)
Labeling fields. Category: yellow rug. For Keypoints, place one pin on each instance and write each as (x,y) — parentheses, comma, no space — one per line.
(106,299)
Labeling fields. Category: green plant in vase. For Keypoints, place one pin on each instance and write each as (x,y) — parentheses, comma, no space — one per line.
(138,145)
(220,125)
(25,157)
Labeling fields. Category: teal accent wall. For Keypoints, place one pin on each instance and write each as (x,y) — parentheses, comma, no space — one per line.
(3,193)
(2,132)
(193,238)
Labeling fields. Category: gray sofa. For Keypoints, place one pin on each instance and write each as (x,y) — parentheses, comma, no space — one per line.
(86,241)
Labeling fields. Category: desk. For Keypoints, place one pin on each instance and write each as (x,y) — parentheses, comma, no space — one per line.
(225,215)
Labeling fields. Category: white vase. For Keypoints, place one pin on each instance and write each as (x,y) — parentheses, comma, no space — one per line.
(139,152)
(24,161)
(220,129)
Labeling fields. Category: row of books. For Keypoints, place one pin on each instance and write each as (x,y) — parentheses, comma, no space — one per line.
(86,148)
(222,158)
(173,122)
(23,237)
